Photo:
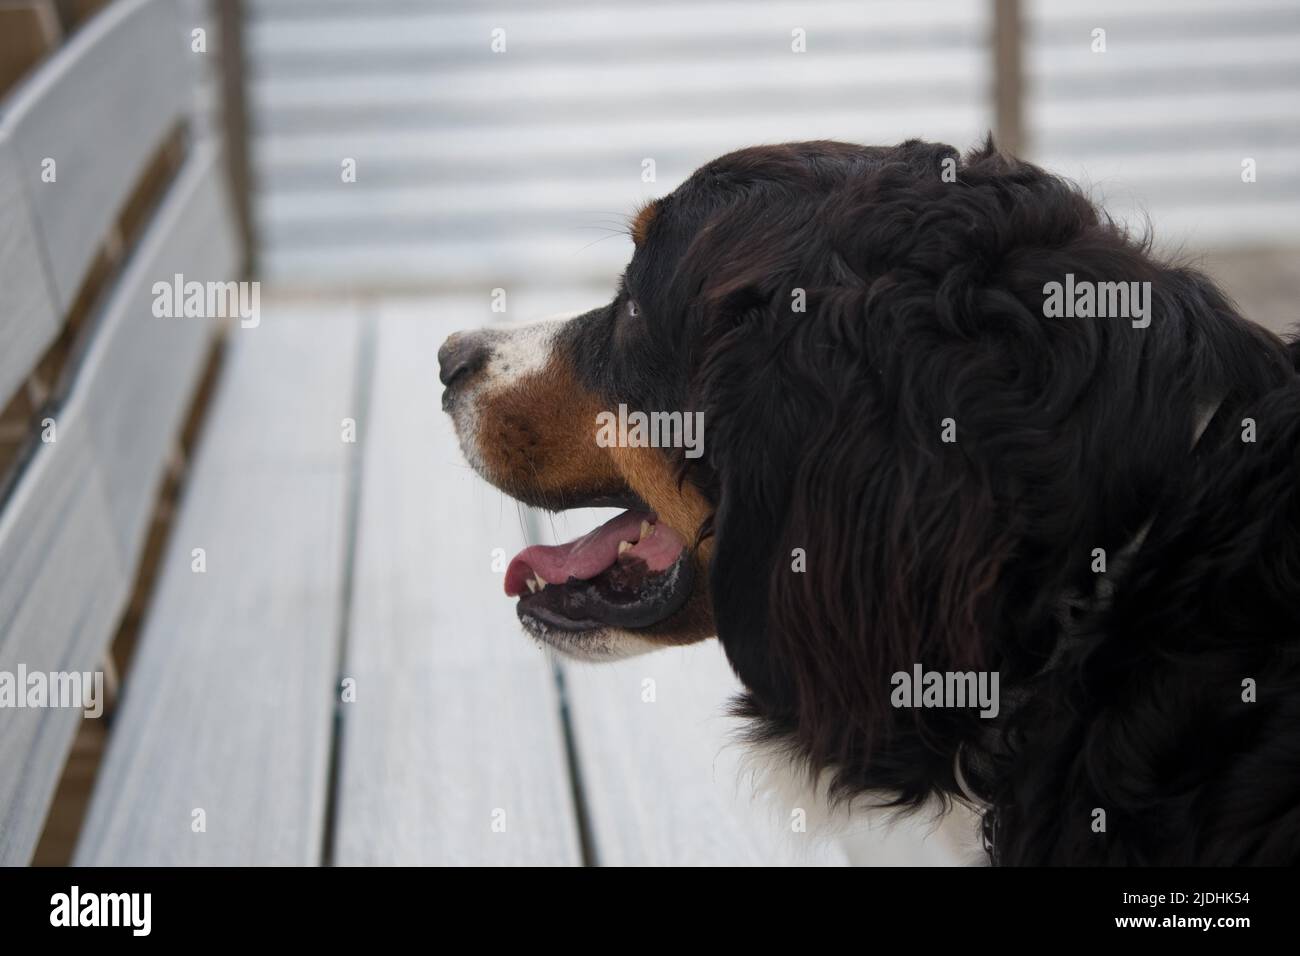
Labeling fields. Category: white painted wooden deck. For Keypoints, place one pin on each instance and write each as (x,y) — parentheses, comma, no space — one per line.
(373,562)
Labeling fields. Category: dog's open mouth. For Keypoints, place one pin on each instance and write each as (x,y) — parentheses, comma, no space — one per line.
(631,572)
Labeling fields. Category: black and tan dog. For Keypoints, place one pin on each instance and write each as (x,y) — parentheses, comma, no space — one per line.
(910,460)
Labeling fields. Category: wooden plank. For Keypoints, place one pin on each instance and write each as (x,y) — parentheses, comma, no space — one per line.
(28,319)
(61,590)
(290,427)
(662,783)
(139,373)
(452,752)
(229,704)
(99,109)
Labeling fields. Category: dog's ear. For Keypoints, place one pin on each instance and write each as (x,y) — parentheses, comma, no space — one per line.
(742,421)
(854,535)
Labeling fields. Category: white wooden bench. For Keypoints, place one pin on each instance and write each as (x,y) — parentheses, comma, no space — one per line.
(74,138)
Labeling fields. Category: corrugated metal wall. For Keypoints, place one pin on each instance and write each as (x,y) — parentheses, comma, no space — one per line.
(479,167)
(475,166)
(1161,121)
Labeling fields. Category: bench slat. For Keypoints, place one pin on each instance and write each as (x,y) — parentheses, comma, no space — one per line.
(99,108)
(664,784)
(61,589)
(140,372)
(456,716)
(229,703)
(28,322)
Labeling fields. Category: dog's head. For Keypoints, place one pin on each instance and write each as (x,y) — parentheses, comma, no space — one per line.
(537,411)
(903,458)
(688,343)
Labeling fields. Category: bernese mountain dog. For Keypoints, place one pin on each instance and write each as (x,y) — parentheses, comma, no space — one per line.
(911,463)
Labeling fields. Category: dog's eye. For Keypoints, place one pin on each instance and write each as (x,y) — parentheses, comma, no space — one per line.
(632,309)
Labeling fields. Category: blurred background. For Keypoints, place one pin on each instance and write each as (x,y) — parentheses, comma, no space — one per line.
(478,167)
(384,168)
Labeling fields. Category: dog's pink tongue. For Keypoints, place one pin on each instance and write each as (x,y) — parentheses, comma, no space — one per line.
(583,558)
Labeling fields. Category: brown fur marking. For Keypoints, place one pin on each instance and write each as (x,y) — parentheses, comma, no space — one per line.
(538,440)
(641,222)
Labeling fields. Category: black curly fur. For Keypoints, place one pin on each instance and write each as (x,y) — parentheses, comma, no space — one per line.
(924,301)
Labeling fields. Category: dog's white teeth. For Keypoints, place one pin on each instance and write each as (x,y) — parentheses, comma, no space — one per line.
(532,586)
(536,583)
(624,546)
(647,529)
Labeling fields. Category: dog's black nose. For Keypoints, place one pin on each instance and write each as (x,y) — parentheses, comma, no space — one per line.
(462,354)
